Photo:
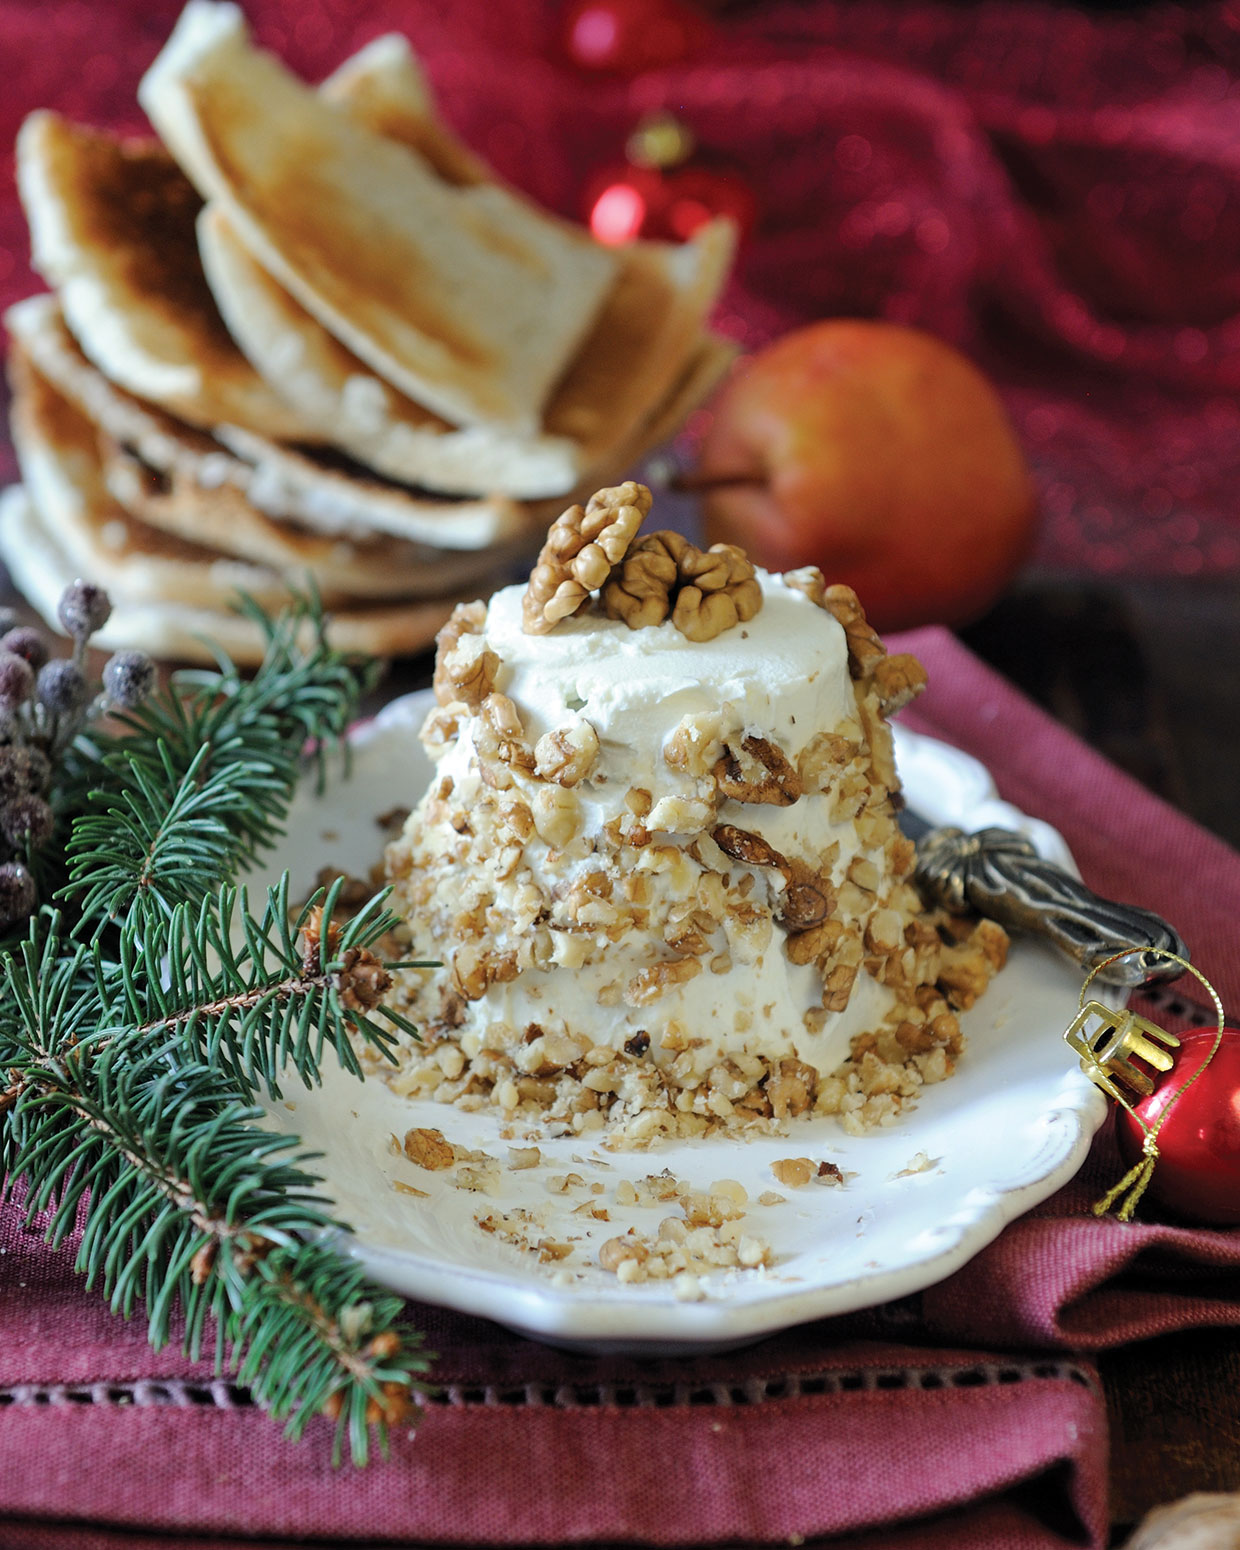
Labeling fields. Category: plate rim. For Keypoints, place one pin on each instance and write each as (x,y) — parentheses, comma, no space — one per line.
(605,1319)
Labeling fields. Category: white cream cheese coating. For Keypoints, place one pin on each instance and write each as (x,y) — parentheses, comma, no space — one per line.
(781,677)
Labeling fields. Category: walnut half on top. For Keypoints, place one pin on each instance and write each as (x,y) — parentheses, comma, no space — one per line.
(581,549)
(642,581)
(704,592)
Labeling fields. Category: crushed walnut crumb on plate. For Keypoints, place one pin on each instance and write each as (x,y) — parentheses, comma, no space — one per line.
(693,1245)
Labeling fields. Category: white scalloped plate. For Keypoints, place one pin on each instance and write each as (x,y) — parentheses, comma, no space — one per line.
(1010,1127)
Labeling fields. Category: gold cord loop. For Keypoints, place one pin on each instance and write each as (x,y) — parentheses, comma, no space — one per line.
(1111,1068)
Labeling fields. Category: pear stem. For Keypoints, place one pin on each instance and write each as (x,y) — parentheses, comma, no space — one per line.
(692,483)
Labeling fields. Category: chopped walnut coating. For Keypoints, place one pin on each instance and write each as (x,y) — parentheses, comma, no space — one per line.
(897,679)
(865,648)
(791,1087)
(648,984)
(823,759)
(466,619)
(581,549)
(466,674)
(760,773)
(665,575)
(500,735)
(694,743)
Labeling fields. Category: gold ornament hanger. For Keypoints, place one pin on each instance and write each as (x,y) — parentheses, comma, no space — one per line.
(1108,1042)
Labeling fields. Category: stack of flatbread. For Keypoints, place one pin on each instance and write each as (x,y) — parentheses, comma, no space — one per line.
(307,338)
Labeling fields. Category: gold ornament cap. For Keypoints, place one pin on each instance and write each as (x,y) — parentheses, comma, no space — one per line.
(1109,1042)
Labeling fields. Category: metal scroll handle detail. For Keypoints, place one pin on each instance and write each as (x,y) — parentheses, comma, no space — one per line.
(999,874)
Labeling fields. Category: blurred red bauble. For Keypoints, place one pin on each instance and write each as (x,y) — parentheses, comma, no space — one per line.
(627,202)
(625,37)
(1197,1174)
(881,455)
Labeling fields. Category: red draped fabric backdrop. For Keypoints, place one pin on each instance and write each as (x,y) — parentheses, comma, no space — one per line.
(1054,189)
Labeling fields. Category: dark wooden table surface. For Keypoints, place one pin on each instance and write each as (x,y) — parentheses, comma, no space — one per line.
(1149,674)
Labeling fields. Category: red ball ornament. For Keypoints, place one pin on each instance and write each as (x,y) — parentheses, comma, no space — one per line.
(1197,1174)
(625,37)
(627,202)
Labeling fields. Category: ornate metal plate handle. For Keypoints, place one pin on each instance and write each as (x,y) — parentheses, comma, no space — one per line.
(999,874)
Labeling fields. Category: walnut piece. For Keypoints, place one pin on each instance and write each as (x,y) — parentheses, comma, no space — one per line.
(722,590)
(743,845)
(794,1172)
(466,619)
(466,674)
(790,1088)
(765,775)
(694,743)
(500,735)
(865,648)
(705,593)
(898,680)
(808,896)
(647,985)
(566,755)
(810,581)
(640,589)
(429,1149)
(581,549)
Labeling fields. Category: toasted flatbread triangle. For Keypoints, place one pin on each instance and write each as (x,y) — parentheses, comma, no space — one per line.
(368,418)
(112,231)
(700,375)
(42,570)
(383,87)
(222,516)
(58,455)
(643,336)
(640,342)
(369,239)
(283,483)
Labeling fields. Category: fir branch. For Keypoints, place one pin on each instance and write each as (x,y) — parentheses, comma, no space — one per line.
(136,1031)
(356,1360)
(257,997)
(184,1202)
(199,779)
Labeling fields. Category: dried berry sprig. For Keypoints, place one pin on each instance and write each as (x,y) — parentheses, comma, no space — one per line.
(46,703)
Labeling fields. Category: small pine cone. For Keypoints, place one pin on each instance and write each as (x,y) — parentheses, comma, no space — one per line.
(18,895)
(83,609)
(26,818)
(16,680)
(24,641)
(362,981)
(203,1262)
(128,678)
(61,686)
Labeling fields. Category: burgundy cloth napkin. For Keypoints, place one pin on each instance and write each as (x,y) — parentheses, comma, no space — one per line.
(965,1416)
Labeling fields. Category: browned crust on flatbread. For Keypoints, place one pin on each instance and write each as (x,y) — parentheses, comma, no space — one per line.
(132,201)
(120,214)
